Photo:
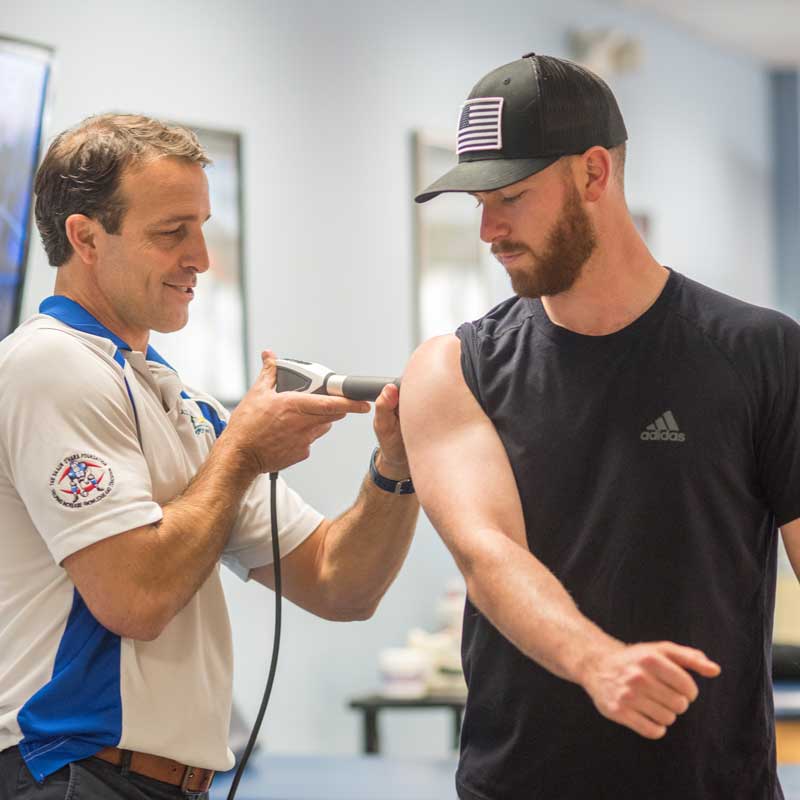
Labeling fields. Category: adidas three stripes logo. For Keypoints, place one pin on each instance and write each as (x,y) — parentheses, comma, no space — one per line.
(664,429)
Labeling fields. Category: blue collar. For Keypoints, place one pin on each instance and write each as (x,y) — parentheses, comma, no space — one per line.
(76,316)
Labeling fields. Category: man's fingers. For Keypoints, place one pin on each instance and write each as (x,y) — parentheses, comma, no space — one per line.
(647,685)
(674,676)
(269,370)
(693,659)
(667,696)
(640,724)
(328,406)
(389,398)
(655,711)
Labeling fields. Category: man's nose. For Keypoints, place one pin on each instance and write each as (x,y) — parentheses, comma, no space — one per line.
(493,225)
(197,254)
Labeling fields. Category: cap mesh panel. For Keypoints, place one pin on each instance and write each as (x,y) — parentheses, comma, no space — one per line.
(578,108)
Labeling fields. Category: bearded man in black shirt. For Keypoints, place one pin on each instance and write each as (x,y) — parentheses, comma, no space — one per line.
(609,456)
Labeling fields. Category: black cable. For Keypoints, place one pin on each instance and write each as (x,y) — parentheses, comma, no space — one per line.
(276,642)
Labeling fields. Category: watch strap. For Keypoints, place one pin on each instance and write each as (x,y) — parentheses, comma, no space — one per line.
(404,486)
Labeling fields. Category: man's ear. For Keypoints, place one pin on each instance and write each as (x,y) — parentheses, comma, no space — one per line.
(81,231)
(597,168)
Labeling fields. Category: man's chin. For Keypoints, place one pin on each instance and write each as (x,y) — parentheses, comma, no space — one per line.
(524,284)
(170,326)
(524,289)
(534,283)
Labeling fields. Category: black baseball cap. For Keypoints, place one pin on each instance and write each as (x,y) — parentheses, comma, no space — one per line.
(522,117)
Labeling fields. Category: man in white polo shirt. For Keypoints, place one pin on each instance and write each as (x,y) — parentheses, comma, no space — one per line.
(121,490)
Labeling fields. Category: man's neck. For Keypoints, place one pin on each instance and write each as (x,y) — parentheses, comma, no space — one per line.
(614,289)
(102,312)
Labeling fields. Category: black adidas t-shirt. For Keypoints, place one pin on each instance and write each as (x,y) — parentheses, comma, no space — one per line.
(654,466)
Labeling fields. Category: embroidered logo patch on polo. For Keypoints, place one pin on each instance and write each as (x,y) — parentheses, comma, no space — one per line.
(81,480)
(200,425)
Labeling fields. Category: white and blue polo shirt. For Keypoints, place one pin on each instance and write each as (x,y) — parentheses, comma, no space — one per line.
(94,440)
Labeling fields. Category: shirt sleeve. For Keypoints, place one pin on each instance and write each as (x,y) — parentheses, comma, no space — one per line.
(779,442)
(470,347)
(70,443)
(250,543)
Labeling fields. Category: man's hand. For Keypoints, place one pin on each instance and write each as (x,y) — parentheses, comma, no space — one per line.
(392,461)
(276,429)
(646,686)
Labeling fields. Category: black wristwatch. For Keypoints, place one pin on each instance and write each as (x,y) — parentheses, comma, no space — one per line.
(387,484)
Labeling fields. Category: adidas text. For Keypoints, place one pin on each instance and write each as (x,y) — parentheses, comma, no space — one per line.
(662,436)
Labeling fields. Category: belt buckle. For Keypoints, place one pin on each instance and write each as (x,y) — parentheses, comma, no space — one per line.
(189,773)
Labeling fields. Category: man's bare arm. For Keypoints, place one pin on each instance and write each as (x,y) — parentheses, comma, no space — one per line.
(791,541)
(135,582)
(345,567)
(467,488)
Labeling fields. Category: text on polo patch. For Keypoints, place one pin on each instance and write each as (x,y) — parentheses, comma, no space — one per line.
(81,480)
(479,125)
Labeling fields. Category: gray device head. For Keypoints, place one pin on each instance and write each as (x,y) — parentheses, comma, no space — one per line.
(306,376)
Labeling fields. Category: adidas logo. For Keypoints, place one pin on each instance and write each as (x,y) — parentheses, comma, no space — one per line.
(664,429)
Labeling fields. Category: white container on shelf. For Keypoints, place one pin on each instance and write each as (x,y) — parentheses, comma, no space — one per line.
(404,672)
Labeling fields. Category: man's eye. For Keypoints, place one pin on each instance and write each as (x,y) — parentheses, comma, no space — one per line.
(513,198)
(170,233)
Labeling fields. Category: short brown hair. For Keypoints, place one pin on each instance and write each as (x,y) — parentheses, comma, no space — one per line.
(618,154)
(83,167)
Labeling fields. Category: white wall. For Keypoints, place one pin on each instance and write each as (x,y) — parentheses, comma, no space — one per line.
(326,94)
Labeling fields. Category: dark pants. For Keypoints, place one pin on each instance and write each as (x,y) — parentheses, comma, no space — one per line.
(90,779)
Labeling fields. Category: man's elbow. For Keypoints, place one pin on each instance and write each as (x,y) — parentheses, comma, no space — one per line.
(338,607)
(142,622)
(361,614)
(338,612)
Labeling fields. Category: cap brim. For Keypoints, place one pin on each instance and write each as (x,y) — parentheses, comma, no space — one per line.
(485,176)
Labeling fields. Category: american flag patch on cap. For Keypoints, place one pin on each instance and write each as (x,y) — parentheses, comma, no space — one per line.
(479,125)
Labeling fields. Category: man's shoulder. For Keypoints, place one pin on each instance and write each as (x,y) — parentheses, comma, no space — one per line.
(509,315)
(44,348)
(757,341)
(728,317)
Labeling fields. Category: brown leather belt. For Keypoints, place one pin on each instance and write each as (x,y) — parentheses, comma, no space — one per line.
(190,779)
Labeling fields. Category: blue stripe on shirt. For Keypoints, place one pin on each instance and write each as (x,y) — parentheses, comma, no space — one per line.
(80,710)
